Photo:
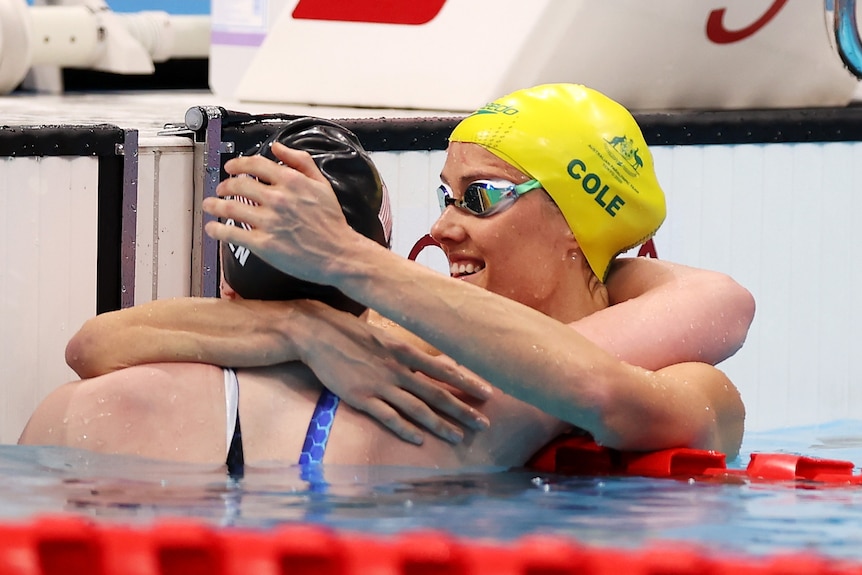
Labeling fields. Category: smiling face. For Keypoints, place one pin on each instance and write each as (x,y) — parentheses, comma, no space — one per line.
(523,252)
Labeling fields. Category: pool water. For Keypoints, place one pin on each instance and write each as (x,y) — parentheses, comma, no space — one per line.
(629,512)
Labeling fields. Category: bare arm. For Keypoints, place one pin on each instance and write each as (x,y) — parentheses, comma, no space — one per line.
(372,369)
(706,314)
(205,330)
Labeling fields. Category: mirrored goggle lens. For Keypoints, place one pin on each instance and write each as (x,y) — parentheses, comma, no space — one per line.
(480,196)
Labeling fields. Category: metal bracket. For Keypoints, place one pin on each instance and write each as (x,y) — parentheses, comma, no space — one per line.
(129,225)
(206,123)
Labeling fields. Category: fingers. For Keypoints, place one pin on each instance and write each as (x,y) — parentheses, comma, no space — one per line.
(268,170)
(423,378)
(394,422)
(274,191)
(236,235)
(224,209)
(293,167)
(445,369)
(251,214)
(300,161)
(436,401)
(409,407)
(290,163)
(253,179)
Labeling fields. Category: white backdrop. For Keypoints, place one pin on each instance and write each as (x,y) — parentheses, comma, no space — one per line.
(648,55)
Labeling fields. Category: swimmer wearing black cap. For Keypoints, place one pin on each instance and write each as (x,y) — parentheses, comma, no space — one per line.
(247,282)
(365,204)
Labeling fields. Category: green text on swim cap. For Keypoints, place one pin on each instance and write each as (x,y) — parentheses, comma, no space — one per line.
(592,184)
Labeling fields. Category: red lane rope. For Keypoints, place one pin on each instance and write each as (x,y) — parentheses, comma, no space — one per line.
(74,545)
(579,455)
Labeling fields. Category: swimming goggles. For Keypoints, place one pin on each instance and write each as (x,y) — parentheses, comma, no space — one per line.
(486,197)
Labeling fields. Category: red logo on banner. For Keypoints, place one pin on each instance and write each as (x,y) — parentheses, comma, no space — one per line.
(716,31)
(413,12)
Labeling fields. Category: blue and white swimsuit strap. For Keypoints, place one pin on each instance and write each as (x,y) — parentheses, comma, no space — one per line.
(319,428)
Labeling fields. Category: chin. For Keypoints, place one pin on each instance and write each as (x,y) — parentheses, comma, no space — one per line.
(476,280)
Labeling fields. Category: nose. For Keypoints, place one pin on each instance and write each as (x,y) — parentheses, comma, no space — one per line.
(449,228)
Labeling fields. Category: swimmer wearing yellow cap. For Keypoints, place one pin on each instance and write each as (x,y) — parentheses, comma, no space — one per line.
(587,152)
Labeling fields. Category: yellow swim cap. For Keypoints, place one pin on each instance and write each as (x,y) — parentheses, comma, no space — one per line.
(590,156)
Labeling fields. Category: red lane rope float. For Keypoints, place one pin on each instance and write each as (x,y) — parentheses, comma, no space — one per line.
(580,455)
(55,545)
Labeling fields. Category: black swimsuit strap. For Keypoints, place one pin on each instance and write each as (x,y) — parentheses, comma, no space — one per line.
(235,459)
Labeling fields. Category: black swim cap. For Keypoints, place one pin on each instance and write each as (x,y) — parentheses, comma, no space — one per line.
(360,191)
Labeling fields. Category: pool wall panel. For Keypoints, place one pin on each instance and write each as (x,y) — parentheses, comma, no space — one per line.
(780,219)
(164,226)
(60,255)
(48,269)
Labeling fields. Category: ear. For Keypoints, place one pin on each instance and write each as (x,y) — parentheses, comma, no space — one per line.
(555,215)
(225,291)
(572,243)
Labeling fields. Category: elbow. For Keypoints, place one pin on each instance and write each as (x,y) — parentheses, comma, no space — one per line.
(74,354)
(727,308)
(730,421)
(699,408)
(740,306)
(82,356)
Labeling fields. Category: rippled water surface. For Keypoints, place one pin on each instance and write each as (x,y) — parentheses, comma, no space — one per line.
(750,517)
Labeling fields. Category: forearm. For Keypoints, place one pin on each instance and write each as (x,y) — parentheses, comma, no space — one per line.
(521,351)
(205,330)
(663,313)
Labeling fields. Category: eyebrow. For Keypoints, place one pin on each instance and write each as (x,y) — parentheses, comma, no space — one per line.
(473,177)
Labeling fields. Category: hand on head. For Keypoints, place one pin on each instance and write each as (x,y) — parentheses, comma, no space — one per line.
(340,165)
(297,223)
(300,204)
